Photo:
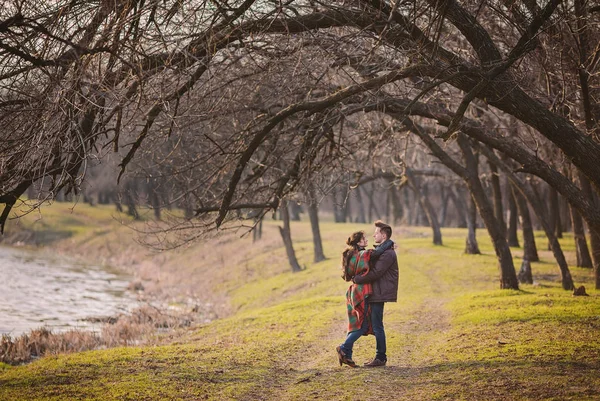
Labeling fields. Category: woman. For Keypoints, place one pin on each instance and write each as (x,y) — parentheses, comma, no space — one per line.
(355,261)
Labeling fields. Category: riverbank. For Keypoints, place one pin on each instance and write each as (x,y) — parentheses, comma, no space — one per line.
(101,235)
(169,299)
(451,335)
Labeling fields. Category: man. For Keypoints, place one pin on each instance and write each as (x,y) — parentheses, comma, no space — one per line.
(383,275)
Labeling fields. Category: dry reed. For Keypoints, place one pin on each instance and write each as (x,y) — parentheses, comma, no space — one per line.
(141,326)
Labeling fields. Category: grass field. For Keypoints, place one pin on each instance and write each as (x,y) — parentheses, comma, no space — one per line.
(452,335)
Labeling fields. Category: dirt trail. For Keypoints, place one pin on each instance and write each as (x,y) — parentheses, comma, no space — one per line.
(315,368)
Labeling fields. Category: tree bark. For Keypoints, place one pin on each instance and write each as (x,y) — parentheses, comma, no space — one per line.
(188,208)
(426,205)
(340,204)
(153,190)
(313,215)
(460,206)
(536,204)
(286,235)
(565,214)
(130,200)
(397,211)
(555,222)
(295,210)
(529,248)
(530,163)
(471,246)
(469,173)
(416,211)
(525,275)
(508,275)
(257,231)
(408,215)
(513,239)
(337,210)
(581,248)
(360,218)
(586,188)
(372,210)
(595,246)
(497,196)
(445,200)
(388,204)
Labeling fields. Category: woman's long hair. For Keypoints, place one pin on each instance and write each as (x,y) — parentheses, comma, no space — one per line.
(352,243)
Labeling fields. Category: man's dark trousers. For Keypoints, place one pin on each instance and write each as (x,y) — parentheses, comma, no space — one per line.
(378,331)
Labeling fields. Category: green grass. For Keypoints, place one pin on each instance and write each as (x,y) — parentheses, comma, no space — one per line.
(63,220)
(452,334)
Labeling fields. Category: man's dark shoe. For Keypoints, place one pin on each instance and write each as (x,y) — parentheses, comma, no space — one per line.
(342,358)
(375,363)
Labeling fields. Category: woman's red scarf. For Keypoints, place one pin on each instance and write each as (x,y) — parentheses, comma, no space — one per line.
(357,294)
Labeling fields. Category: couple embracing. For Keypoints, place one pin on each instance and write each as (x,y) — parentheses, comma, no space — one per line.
(374,276)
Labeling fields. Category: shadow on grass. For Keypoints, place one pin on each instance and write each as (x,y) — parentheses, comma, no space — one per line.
(490,380)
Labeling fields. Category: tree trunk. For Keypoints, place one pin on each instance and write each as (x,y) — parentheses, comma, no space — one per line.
(592,114)
(595,245)
(337,210)
(118,204)
(346,206)
(257,231)
(587,190)
(405,196)
(525,276)
(416,209)
(565,214)
(513,239)
(313,215)
(542,206)
(295,210)
(340,204)
(555,222)
(372,210)
(508,274)
(459,206)
(397,212)
(469,173)
(534,201)
(31,193)
(153,189)
(529,248)
(471,246)
(497,196)
(444,196)
(581,249)
(388,204)
(360,218)
(130,200)
(426,205)
(286,235)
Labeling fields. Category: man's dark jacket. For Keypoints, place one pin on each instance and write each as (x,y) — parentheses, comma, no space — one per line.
(384,277)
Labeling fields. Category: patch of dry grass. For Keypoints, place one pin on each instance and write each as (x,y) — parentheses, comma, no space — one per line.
(144,325)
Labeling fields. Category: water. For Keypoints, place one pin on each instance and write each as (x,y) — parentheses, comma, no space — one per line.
(37,290)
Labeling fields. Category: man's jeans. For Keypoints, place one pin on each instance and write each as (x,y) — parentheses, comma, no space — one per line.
(378,331)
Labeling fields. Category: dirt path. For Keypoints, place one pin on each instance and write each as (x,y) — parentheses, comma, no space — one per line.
(413,340)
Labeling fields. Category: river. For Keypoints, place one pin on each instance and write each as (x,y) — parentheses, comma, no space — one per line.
(40,290)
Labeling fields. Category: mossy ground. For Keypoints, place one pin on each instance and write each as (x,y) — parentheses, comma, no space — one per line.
(451,335)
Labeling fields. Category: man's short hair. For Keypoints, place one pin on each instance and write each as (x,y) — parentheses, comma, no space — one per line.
(384,228)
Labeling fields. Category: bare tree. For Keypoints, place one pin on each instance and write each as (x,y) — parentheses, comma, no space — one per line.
(237,105)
